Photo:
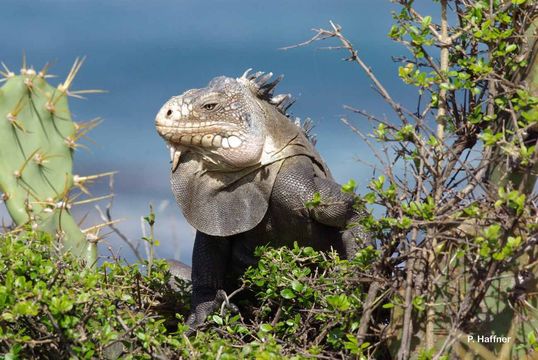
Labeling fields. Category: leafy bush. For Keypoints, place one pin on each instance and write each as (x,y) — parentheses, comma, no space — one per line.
(310,300)
(455,203)
(52,306)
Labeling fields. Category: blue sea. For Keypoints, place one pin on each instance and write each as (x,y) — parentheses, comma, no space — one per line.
(144,52)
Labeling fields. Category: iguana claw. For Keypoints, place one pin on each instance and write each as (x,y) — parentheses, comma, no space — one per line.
(197,318)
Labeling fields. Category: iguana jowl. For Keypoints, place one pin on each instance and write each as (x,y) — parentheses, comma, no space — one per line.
(242,173)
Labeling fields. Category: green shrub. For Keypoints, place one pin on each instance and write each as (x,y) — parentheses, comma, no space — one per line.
(52,306)
(311,301)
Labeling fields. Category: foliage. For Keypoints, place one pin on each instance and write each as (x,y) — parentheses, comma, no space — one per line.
(457,230)
(310,300)
(53,306)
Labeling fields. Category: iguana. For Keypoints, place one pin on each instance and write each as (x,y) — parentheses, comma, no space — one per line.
(242,172)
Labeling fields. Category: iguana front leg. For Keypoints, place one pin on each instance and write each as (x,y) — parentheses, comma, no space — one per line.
(337,209)
(295,187)
(210,258)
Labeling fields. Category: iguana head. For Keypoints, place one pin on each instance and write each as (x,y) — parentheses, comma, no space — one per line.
(229,122)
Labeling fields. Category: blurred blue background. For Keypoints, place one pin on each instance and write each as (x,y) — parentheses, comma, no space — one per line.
(144,52)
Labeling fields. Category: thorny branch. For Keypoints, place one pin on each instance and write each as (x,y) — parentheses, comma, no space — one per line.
(441,261)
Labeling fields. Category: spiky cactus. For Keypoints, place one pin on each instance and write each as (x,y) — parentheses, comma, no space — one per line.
(37,139)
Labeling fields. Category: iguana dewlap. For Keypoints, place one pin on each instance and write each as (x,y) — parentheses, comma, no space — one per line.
(242,173)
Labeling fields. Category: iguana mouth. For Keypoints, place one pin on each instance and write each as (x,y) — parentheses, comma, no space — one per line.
(201,136)
(205,134)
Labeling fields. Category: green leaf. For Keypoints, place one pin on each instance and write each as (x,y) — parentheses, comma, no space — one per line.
(315,202)
(61,304)
(217,319)
(419,303)
(339,302)
(266,327)
(369,197)
(287,294)
(492,232)
(426,21)
(150,219)
(511,48)
(489,138)
(26,308)
(394,32)
(381,132)
(531,336)
(349,187)
(405,222)
(297,286)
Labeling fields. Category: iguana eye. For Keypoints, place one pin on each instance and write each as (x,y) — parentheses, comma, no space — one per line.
(210,106)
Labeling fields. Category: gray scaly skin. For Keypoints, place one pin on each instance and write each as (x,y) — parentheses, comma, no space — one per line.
(242,173)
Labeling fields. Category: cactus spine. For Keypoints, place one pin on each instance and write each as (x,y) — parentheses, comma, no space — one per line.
(37,140)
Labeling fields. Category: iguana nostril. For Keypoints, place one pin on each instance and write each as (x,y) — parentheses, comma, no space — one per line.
(169,113)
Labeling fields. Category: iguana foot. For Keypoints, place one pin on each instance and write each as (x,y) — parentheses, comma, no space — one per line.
(204,309)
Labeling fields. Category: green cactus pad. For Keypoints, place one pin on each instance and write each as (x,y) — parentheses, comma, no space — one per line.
(37,139)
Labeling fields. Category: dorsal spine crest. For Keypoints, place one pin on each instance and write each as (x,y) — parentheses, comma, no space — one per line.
(261,85)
